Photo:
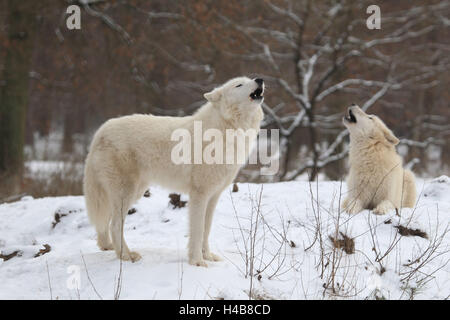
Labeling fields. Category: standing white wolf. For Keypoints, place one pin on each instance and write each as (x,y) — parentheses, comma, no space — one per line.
(130,153)
(376,179)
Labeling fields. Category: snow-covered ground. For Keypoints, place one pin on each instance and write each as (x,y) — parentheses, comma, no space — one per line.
(278,232)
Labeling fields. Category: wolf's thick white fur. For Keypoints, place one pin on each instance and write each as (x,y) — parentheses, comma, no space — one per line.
(132,152)
(377,179)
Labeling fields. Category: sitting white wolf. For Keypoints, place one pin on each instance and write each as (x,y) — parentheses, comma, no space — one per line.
(130,153)
(376,179)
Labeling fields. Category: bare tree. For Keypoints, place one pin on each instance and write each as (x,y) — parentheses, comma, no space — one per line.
(319,57)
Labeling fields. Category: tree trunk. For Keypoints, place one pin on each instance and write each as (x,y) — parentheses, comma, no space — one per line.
(14,92)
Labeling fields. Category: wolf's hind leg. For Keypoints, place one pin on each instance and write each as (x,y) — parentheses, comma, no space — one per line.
(103,238)
(119,213)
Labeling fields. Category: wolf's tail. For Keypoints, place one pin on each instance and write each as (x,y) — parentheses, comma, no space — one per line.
(409,189)
(97,204)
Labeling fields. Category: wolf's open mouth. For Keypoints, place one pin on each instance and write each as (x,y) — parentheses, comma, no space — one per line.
(257,94)
(350,117)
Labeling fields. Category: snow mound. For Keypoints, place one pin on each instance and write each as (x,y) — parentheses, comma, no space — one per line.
(438,188)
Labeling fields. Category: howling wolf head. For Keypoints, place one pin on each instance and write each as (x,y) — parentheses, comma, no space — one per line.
(368,127)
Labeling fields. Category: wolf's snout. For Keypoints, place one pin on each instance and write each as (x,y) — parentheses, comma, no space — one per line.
(258,93)
(350,116)
(259,81)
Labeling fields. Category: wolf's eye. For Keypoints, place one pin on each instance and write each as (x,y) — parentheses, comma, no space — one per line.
(239,85)
(370,118)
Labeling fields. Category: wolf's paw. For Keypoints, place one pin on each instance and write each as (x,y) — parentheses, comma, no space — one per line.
(211,256)
(198,263)
(383,208)
(131,256)
(135,256)
(105,247)
(104,243)
(380,210)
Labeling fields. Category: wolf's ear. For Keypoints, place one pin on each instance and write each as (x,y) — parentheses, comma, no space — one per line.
(214,95)
(390,137)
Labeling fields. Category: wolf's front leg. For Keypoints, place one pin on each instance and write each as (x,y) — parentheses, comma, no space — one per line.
(197,209)
(207,254)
